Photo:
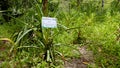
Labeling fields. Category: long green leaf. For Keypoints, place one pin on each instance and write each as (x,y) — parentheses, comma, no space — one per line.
(7,39)
(22,35)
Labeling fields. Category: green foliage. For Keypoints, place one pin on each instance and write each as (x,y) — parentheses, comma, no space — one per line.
(33,46)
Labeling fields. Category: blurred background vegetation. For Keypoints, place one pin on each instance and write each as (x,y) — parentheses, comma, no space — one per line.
(92,23)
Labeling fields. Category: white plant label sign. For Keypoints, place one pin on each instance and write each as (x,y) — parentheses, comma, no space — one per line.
(49,22)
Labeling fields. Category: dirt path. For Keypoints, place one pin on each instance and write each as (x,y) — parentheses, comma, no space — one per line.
(85,60)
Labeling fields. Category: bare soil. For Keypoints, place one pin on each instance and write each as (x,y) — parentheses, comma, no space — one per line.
(83,62)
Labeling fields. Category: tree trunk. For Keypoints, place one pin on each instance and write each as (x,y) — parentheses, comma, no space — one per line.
(102,3)
(79,2)
(45,7)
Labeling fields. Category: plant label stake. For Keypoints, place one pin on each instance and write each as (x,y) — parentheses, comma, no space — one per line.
(48,22)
